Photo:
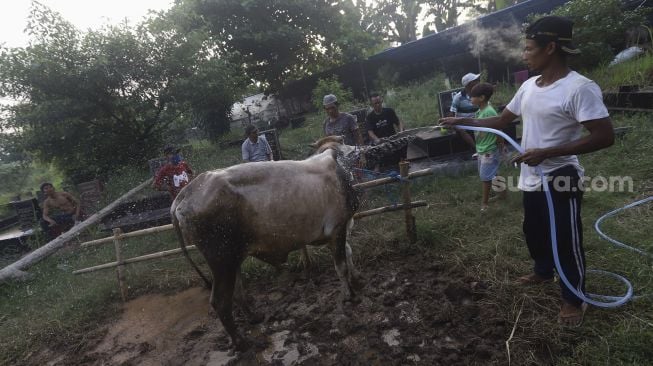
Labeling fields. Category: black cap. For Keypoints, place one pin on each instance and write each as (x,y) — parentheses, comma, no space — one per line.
(553,29)
(170,150)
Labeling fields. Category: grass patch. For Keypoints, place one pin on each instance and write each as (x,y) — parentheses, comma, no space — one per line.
(61,311)
(638,71)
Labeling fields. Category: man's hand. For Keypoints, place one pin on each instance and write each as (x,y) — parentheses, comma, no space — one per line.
(450,121)
(531,157)
(52,223)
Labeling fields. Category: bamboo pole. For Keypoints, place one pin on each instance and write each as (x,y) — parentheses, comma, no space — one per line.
(420,173)
(384,209)
(130,234)
(14,270)
(386,180)
(404,166)
(133,260)
(120,269)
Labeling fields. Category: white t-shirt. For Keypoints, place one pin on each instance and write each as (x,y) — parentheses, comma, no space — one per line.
(552,116)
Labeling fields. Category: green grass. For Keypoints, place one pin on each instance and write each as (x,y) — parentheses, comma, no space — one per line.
(25,179)
(59,310)
(638,71)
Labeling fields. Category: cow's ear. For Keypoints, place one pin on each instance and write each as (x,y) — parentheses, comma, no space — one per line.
(313,145)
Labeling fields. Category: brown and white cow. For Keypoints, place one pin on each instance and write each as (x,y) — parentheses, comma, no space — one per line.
(267,210)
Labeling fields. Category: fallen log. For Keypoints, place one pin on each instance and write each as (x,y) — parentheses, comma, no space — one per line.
(15,270)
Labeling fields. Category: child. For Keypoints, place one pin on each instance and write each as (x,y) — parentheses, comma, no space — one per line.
(488,145)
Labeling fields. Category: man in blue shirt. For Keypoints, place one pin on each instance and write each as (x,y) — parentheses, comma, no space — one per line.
(255,147)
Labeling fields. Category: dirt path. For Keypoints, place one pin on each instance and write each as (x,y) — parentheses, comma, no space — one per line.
(413,311)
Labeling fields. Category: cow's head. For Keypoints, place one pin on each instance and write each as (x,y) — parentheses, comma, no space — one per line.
(354,155)
(332,142)
(347,156)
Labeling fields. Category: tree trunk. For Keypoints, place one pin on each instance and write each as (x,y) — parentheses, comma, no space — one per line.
(14,270)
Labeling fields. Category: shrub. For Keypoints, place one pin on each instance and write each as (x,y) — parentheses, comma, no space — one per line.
(331,86)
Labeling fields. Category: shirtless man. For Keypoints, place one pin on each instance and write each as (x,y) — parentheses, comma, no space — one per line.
(59,208)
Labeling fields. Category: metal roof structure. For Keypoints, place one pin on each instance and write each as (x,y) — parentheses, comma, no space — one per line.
(446,44)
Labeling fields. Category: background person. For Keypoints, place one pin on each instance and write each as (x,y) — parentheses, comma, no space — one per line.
(338,123)
(555,107)
(255,147)
(175,174)
(383,122)
(488,145)
(461,102)
(462,106)
(61,211)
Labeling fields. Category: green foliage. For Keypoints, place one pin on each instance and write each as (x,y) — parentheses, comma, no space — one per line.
(21,179)
(91,102)
(638,71)
(489,6)
(60,311)
(331,86)
(417,103)
(281,40)
(599,28)
(397,21)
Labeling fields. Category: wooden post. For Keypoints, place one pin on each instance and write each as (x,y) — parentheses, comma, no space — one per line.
(404,166)
(117,232)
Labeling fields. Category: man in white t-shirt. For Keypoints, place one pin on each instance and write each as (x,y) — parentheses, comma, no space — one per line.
(555,107)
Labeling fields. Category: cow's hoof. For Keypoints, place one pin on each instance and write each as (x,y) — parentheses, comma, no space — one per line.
(241,344)
(353,300)
(357,282)
(255,318)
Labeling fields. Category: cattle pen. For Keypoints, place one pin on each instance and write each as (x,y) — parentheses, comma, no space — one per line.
(118,236)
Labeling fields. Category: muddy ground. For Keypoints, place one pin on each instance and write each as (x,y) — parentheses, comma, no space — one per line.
(413,311)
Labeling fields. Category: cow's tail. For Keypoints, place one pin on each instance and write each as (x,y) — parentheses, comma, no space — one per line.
(182,244)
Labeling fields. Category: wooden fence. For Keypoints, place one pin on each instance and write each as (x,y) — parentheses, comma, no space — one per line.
(118,236)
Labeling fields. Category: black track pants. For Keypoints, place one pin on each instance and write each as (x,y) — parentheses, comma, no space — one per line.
(567,204)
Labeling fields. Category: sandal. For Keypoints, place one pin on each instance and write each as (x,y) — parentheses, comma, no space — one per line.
(532,279)
(571,315)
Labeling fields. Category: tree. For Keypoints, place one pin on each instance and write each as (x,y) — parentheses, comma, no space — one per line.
(90,102)
(599,28)
(331,86)
(397,20)
(279,40)
(446,12)
(489,6)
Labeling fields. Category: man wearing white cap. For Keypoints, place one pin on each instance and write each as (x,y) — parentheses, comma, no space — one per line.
(461,104)
(338,123)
